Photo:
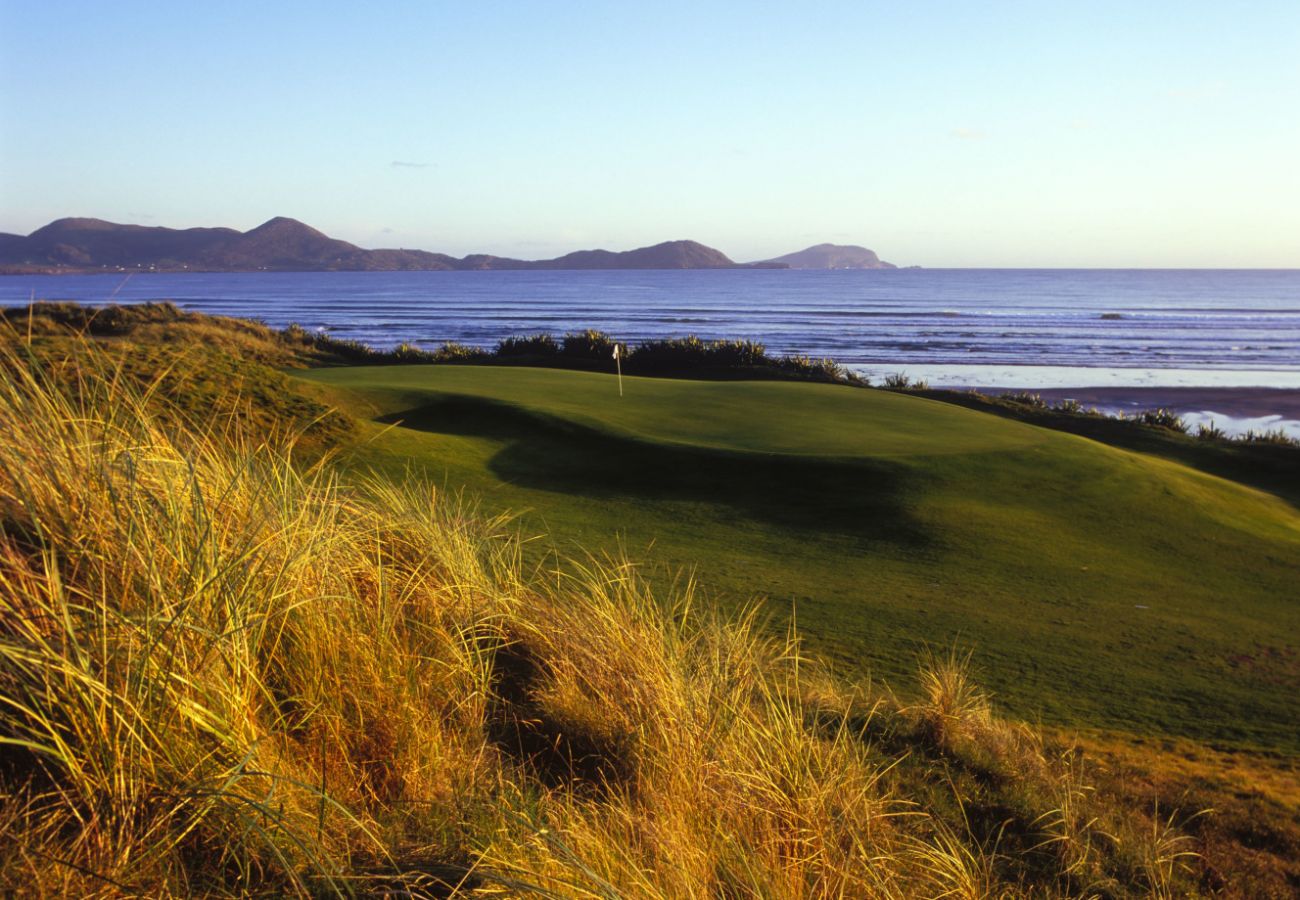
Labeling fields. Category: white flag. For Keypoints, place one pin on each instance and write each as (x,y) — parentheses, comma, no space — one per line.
(616,351)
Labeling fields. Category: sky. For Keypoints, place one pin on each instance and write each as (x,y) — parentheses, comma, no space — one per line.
(1146,134)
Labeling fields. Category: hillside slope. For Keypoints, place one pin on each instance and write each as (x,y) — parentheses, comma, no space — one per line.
(1103,587)
(232,667)
(226,674)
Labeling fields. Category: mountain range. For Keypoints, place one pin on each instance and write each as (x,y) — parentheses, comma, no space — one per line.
(287,245)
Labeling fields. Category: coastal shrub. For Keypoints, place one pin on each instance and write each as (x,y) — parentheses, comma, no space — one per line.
(692,352)
(342,349)
(900,381)
(336,349)
(1270,436)
(453,351)
(530,345)
(1024,398)
(588,344)
(1162,418)
(409,353)
(1069,406)
(1210,432)
(810,367)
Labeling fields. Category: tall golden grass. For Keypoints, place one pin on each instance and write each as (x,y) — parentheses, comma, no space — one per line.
(224,673)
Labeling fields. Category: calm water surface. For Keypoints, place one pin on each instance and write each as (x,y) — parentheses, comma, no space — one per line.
(1154,319)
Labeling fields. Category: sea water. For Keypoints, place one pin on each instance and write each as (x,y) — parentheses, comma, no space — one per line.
(975,327)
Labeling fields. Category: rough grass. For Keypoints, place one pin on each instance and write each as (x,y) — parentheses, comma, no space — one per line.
(224,673)
(189,369)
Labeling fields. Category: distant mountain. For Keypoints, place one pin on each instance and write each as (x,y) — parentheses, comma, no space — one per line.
(833,256)
(8,241)
(94,242)
(283,244)
(668,255)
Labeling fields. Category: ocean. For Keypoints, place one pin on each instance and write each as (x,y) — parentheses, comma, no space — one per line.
(1009,327)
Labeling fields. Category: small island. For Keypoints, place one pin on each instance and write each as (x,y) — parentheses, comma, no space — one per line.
(831,256)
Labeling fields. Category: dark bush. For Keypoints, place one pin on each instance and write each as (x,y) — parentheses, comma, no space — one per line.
(691,352)
(1210,432)
(807,366)
(343,348)
(1162,418)
(409,353)
(589,344)
(451,351)
(1271,436)
(1024,398)
(531,345)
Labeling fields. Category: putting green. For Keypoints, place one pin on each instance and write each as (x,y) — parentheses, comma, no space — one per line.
(754,416)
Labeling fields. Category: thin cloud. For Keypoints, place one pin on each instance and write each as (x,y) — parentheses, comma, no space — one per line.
(404,164)
(967,134)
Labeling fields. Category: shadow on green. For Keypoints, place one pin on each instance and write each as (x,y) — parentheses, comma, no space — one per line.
(861,498)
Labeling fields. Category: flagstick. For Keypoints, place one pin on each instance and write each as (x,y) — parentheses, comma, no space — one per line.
(618,361)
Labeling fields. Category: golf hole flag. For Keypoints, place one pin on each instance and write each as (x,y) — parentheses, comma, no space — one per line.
(618,361)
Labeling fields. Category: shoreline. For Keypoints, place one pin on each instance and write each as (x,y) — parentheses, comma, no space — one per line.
(1242,402)
(1234,410)
(1236,401)
(1039,378)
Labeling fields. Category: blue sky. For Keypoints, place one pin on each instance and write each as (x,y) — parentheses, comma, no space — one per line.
(939,134)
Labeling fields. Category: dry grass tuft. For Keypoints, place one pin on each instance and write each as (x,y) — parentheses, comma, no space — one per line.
(224,672)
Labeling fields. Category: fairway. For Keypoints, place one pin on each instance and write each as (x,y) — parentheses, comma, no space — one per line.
(1097,586)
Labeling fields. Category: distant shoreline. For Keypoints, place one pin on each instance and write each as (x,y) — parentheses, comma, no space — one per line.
(1235,410)
(1242,402)
(1234,407)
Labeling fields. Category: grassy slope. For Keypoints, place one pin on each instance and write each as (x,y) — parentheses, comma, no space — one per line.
(1100,586)
(226,673)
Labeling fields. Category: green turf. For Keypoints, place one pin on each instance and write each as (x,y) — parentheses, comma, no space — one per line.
(1098,586)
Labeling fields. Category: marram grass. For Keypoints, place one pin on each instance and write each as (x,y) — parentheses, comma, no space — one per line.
(222,673)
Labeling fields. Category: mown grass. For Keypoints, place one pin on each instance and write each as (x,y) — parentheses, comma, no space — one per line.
(1269,460)
(227,671)
(1104,588)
